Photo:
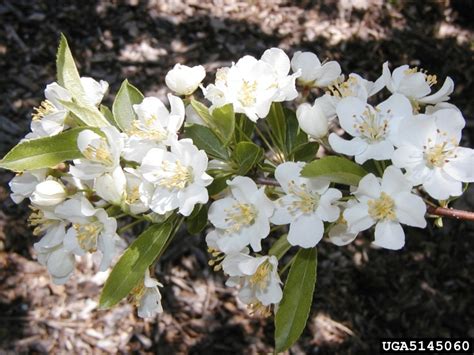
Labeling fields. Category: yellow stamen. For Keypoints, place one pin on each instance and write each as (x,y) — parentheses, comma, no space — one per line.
(100,154)
(39,221)
(87,235)
(247,95)
(133,195)
(260,310)
(439,154)
(148,129)
(261,276)
(136,294)
(307,202)
(382,208)
(342,89)
(241,215)
(180,176)
(371,125)
(45,108)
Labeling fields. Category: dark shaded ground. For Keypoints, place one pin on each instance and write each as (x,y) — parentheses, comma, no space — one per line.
(362,293)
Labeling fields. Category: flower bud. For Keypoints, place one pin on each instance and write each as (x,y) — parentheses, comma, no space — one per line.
(184,80)
(312,120)
(49,193)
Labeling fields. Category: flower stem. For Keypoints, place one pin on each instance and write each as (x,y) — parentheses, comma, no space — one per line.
(128,226)
(260,134)
(282,271)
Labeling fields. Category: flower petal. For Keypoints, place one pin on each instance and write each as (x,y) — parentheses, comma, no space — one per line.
(306,231)
(389,235)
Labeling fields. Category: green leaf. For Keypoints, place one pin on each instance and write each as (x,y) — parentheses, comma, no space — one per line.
(223,119)
(295,305)
(217,185)
(203,112)
(305,152)
(280,247)
(197,221)
(243,128)
(337,169)
(206,140)
(246,155)
(122,108)
(294,135)
(44,152)
(277,121)
(67,74)
(108,115)
(131,267)
(88,115)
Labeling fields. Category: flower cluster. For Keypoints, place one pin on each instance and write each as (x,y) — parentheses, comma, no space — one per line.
(273,189)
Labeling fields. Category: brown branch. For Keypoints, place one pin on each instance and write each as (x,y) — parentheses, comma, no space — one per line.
(436,211)
(451,213)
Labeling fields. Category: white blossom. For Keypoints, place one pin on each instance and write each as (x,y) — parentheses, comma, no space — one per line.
(147,297)
(339,233)
(242,218)
(184,80)
(175,179)
(155,126)
(313,120)
(50,192)
(257,278)
(305,205)
(101,154)
(374,129)
(416,85)
(59,262)
(48,118)
(91,230)
(285,83)
(251,85)
(428,148)
(387,204)
(313,73)
(23,184)
(94,91)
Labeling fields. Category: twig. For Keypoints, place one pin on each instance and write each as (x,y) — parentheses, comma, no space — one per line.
(451,213)
(266,181)
(432,210)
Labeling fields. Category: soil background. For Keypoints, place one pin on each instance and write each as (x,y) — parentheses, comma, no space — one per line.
(362,293)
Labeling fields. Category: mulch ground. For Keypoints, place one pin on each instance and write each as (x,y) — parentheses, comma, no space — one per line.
(362,293)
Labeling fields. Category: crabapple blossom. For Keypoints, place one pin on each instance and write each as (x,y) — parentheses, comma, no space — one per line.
(175,179)
(94,91)
(386,204)
(305,205)
(257,278)
(313,120)
(101,154)
(429,151)
(147,297)
(50,192)
(313,73)
(184,80)
(416,85)
(48,118)
(91,229)
(155,126)
(251,85)
(339,233)
(374,128)
(23,184)
(241,218)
